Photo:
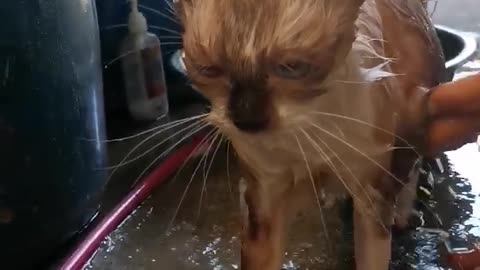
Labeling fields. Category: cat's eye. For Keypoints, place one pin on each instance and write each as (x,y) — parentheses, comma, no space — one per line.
(210,71)
(292,70)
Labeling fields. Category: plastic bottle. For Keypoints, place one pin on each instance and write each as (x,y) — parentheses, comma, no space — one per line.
(143,71)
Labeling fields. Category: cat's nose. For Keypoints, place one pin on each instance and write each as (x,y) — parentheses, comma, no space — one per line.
(249,108)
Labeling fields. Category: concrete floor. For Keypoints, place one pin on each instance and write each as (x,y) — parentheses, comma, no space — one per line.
(206,237)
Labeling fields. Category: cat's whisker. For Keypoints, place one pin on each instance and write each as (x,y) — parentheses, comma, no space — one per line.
(219,144)
(194,152)
(359,152)
(182,198)
(401,148)
(171,43)
(172,51)
(206,167)
(169,124)
(332,166)
(229,179)
(434,9)
(363,154)
(363,44)
(171,8)
(340,131)
(170,5)
(370,39)
(125,54)
(126,162)
(114,26)
(123,161)
(207,152)
(150,150)
(355,178)
(156,27)
(376,57)
(189,157)
(158,12)
(204,170)
(168,30)
(205,175)
(352,82)
(166,152)
(327,160)
(310,175)
(170,37)
(369,125)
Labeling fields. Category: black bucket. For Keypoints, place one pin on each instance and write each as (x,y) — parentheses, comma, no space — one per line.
(51,127)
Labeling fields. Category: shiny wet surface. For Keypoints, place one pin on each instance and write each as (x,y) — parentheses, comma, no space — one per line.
(206,237)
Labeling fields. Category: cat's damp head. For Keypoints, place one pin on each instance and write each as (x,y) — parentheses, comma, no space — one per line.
(253,59)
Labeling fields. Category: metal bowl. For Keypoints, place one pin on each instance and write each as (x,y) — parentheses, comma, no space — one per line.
(177,62)
(458,47)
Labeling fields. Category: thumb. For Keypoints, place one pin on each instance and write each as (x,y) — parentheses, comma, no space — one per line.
(448,134)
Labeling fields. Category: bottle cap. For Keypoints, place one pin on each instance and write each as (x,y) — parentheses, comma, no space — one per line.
(137,23)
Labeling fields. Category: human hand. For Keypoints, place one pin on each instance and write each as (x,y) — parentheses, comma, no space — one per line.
(454,110)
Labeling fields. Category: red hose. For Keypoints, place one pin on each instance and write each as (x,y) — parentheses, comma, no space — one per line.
(79,258)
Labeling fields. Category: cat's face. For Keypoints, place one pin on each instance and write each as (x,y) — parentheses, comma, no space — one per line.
(260,62)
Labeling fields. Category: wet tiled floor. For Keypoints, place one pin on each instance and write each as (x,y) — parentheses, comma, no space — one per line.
(205,237)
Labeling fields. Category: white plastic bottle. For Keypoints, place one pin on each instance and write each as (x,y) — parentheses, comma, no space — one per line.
(143,73)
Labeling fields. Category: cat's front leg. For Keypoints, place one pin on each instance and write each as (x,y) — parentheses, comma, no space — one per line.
(372,233)
(264,228)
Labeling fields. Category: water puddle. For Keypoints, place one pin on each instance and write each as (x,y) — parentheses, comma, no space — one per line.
(464,162)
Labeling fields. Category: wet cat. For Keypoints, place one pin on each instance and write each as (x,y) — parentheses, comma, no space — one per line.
(317,97)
